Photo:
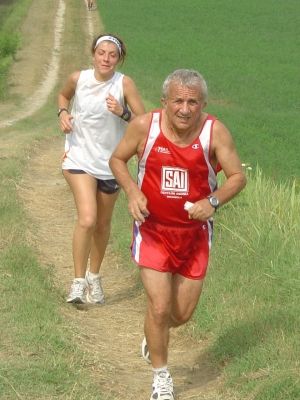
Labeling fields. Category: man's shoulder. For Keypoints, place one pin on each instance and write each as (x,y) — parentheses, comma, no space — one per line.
(144,118)
(156,111)
(218,126)
(211,117)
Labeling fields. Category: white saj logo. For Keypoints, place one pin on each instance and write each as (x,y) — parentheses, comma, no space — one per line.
(174,180)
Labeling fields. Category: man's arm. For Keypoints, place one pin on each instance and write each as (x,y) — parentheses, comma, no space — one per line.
(223,152)
(131,144)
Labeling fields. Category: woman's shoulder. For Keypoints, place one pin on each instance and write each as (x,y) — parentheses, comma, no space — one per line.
(86,73)
(118,77)
(128,83)
(84,76)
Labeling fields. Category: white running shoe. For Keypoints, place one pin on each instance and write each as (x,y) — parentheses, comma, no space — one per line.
(162,387)
(95,293)
(145,351)
(77,291)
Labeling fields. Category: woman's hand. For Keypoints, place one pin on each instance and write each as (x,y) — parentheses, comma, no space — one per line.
(65,122)
(113,105)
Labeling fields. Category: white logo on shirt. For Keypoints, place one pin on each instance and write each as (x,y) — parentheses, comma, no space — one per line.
(196,146)
(164,150)
(174,179)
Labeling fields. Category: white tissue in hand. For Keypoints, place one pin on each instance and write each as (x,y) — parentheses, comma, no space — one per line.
(188,205)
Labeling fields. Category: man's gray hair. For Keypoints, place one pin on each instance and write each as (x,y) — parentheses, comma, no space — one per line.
(185,77)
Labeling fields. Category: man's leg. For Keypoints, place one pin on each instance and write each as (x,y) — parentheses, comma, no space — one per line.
(171,301)
(158,289)
(185,296)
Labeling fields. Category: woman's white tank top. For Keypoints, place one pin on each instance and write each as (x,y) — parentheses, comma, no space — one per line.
(97,131)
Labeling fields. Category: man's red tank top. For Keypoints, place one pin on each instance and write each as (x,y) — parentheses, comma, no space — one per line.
(169,175)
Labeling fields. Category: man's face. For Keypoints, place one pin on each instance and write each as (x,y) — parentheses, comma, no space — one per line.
(183,106)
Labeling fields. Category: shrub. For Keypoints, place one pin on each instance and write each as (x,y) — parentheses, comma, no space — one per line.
(9,43)
(5,64)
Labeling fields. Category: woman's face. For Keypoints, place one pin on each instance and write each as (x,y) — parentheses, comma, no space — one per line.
(106,58)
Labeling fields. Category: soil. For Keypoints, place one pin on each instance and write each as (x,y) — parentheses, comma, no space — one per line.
(111,333)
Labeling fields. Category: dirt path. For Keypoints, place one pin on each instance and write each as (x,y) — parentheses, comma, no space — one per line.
(112,333)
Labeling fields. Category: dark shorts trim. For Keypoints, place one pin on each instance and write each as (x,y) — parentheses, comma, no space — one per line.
(108,186)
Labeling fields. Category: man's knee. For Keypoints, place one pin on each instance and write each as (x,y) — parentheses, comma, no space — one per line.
(160,312)
(179,319)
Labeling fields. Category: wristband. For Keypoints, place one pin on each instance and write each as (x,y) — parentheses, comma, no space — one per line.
(61,110)
(126,114)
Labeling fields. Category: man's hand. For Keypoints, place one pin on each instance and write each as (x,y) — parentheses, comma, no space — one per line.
(201,210)
(137,206)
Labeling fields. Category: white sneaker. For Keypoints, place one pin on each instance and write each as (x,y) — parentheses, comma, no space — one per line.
(95,293)
(162,387)
(77,291)
(145,351)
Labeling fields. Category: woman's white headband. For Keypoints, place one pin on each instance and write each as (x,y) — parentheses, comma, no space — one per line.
(110,38)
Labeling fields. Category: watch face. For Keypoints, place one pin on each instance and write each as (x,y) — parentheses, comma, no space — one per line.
(214,201)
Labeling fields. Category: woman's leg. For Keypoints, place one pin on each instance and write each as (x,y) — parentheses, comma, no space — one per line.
(84,189)
(105,207)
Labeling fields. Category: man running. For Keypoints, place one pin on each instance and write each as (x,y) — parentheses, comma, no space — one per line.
(180,150)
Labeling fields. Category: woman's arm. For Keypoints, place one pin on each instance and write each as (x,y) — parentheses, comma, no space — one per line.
(64,98)
(132,98)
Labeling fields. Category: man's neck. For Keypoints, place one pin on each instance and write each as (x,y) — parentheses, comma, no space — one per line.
(181,137)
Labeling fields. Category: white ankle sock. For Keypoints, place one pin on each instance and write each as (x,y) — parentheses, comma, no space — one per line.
(80,280)
(156,370)
(93,275)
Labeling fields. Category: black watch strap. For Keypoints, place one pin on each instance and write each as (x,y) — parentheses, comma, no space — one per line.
(61,110)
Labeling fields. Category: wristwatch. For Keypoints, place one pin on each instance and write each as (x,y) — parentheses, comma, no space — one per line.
(214,202)
(61,110)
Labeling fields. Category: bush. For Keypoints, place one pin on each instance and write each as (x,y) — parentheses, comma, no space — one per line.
(9,43)
(5,64)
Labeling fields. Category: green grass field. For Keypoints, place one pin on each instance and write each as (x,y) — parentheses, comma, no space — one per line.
(248,51)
